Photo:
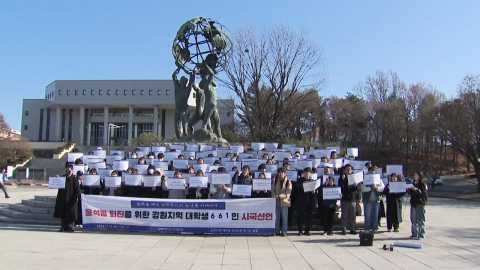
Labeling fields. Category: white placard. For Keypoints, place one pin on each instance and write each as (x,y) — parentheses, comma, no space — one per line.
(198,181)
(113,181)
(180,163)
(159,149)
(142,168)
(144,149)
(209,152)
(296,149)
(292,176)
(355,178)
(221,178)
(337,149)
(132,162)
(239,190)
(398,187)
(280,155)
(236,148)
(77,168)
(408,186)
(211,168)
(302,164)
(262,184)
(356,164)
(206,147)
(333,193)
(272,168)
(169,174)
(160,165)
(258,146)
(120,153)
(352,152)
(335,178)
(56,182)
(120,165)
(71,157)
(247,156)
(370,179)
(177,147)
(104,173)
(91,180)
(192,147)
(271,146)
(267,174)
(170,156)
(252,163)
(187,154)
(93,157)
(111,158)
(337,162)
(319,153)
(310,186)
(203,167)
(314,176)
(99,165)
(100,153)
(151,180)
(396,169)
(210,160)
(385,180)
(176,183)
(133,179)
(222,152)
(315,162)
(230,164)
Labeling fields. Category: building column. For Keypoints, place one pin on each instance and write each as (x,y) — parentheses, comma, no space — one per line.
(82,124)
(155,120)
(106,127)
(89,129)
(130,125)
(136,131)
(58,130)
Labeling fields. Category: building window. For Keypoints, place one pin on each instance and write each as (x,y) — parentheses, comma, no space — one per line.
(167,92)
(26,113)
(109,92)
(25,127)
(40,130)
(92,92)
(150,92)
(229,114)
(134,92)
(117,92)
(141,92)
(68,92)
(125,92)
(59,92)
(84,92)
(159,92)
(100,92)
(76,92)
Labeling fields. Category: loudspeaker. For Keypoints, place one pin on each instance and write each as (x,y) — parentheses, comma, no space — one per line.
(366,238)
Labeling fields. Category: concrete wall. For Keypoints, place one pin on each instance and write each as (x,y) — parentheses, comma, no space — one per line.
(31,122)
(45,145)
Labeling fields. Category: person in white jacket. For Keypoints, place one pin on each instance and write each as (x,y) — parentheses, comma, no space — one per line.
(221,191)
(372,194)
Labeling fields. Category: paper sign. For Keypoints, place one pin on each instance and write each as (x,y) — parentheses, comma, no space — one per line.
(169,156)
(187,154)
(236,148)
(302,164)
(110,159)
(100,153)
(144,149)
(169,174)
(142,168)
(335,178)
(176,183)
(221,178)
(180,163)
(198,181)
(133,179)
(262,184)
(71,157)
(280,155)
(396,169)
(192,147)
(370,179)
(99,165)
(352,152)
(356,164)
(258,146)
(292,176)
(152,180)
(117,153)
(91,180)
(113,181)
(120,165)
(177,147)
(158,149)
(230,164)
(252,163)
(206,147)
(311,185)
(337,162)
(319,153)
(398,187)
(335,148)
(203,167)
(408,186)
(77,168)
(239,190)
(272,168)
(56,182)
(296,149)
(355,178)
(267,174)
(160,165)
(334,193)
(271,146)
(104,173)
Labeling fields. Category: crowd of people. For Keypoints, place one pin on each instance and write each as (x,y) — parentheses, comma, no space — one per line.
(290,196)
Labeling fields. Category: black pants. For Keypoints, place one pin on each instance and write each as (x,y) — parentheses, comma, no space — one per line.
(67,226)
(79,214)
(328,214)
(4,189)
(301,210)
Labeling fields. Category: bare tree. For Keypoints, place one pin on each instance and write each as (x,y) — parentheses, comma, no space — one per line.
(12,146)
(460,118)
(266,71)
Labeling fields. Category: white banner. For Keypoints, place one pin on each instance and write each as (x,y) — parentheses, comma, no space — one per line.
(250,216)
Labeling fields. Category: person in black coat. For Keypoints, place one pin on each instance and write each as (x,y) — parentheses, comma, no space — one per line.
(394,206)
(329,207)
(66,208)
(243,178)
(305,203)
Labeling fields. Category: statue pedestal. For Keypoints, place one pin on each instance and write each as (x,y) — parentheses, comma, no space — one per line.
(206,136)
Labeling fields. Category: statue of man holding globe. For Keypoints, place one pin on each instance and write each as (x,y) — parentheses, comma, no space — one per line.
(200,48)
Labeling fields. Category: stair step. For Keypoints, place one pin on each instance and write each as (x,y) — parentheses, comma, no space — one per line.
(46,198)
(10,220)
(40,204)
(31,209)
(9,212)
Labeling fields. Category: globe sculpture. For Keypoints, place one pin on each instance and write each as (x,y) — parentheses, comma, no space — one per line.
(201,41)
(200,49)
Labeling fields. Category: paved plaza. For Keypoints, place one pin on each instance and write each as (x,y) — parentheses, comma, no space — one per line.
(452,242)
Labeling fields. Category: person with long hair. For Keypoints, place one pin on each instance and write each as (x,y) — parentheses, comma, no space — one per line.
(418,202)
(281,191)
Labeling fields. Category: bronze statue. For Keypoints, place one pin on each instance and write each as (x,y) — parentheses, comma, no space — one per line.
(182,93)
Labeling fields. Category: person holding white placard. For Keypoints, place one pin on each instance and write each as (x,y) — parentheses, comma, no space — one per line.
(348,201)
(199,192)
(418,202)
(372,195)
(220,192)
(305,203)
(66,207)
(79,221)
(243,178)
(281,191)
(92,190)
(262,193)
(394,206)
(175,193)
(135,191)
(329,207)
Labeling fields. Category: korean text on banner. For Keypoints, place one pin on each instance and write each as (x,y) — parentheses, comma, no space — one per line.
(252,216)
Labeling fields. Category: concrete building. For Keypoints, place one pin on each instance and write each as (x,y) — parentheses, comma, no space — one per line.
(86,111)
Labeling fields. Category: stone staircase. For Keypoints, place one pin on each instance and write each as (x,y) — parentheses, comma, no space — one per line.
(53,166)
(37,211)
